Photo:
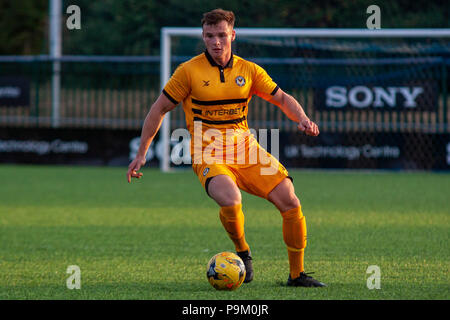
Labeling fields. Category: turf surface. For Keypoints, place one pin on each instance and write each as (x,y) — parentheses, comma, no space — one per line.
(153,238)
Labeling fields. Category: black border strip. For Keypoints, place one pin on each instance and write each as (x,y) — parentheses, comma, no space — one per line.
(227,309)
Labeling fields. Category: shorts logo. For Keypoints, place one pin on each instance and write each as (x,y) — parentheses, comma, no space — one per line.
(205,172)
(240,81)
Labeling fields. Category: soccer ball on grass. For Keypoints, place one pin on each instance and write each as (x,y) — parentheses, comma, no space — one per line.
(225,271)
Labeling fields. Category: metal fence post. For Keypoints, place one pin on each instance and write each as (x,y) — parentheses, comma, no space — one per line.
(444,94)
(165,75)
(55,53)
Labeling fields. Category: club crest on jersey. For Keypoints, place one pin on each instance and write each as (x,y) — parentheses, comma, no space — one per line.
(240,81)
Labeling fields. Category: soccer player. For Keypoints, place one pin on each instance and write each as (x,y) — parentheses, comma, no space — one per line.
(215,88)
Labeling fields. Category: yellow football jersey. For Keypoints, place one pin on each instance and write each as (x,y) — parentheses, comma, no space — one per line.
(215,100)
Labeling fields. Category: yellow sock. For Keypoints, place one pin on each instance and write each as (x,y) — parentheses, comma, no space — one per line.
(294,236)
(232,219)
(296,262)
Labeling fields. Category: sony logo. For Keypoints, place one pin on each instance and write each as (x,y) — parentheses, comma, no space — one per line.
(364,97)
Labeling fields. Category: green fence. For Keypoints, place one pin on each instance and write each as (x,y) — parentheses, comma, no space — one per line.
(117,92)
(97,92)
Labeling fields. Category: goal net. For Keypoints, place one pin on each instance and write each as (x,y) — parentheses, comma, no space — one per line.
(380,97)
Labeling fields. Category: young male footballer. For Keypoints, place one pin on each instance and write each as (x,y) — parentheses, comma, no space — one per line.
(215,88)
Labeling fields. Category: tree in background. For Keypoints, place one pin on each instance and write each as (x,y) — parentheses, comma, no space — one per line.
(132,27)
(23,26)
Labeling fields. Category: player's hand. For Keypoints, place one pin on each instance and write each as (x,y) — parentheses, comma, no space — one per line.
(308,127)
(134,167)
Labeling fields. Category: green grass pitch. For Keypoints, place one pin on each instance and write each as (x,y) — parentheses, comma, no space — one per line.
(153,238)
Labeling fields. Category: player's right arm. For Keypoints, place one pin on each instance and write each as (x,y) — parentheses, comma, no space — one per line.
(151,125)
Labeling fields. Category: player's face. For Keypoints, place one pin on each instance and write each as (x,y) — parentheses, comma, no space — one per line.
(218,38)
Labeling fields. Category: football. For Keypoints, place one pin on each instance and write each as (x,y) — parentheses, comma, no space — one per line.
(225,271)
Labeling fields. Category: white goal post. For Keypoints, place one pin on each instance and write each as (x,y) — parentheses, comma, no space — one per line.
(168,32)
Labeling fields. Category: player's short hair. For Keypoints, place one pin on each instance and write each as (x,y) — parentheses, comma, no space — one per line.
(217,15)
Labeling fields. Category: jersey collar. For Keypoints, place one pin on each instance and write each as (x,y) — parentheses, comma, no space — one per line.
(214,64)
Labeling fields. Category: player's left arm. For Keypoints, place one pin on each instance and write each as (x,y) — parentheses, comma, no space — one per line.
(294,111)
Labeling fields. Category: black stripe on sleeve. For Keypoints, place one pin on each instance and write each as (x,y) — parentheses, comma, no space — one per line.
(208,180)
(196,111)
(274,91)
(170,97)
